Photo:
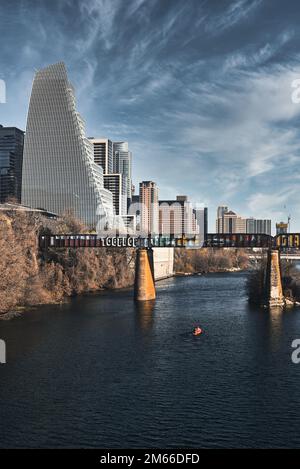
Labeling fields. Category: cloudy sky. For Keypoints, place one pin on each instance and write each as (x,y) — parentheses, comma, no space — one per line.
(201,90)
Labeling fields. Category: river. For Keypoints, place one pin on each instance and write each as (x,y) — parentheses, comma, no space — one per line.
(100,371)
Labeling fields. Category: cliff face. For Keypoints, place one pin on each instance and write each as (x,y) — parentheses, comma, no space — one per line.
(30,277)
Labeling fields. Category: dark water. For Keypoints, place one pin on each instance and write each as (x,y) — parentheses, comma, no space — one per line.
(99,372)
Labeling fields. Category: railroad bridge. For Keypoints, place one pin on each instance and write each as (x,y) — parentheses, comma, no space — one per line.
(144,288)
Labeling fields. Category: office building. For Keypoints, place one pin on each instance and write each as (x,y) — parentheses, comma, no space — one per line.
(134,209)
(148,199)
(257,226)
(222,209)
(117,185)
(103,154)
(176,217)
(59,172)
(201,215)
(229,222)
(11,158)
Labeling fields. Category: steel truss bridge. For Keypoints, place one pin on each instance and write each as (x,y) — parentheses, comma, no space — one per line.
(212,240)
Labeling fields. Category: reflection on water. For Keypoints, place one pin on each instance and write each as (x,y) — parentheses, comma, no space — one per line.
(275,316)
(144,311)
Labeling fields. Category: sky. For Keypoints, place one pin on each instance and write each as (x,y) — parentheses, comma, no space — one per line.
(201,90)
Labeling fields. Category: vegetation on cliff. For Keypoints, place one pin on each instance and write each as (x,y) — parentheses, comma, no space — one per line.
(209,260)
(31,277)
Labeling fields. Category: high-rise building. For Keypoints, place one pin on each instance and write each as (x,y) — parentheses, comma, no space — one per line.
(117,185)
(254,225)
(176,217)
(11,157)
(148,199)
(201,215)
(59,172)
(103,154)
(230,222)
(123,164)
(222,209)
(134,209)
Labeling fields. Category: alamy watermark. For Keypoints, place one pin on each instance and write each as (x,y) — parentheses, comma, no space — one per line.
(2,92)
(296,353)
(2,352)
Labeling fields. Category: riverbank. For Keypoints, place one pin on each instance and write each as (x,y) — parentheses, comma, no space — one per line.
(203,261)
(190,274)
(32,277)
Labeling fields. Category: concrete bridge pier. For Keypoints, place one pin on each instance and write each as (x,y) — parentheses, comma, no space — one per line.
(273,285)
(144,286)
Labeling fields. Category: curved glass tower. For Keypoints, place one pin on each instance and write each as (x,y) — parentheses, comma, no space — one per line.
(59,173)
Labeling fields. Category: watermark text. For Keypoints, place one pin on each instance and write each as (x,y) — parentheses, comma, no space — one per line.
(2,352)
(296,353)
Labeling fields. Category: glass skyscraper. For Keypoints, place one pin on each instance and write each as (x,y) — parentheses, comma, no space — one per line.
(11,156)
(59,172)
(123,164)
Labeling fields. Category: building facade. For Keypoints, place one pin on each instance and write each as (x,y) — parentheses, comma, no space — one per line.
(117,185)
(148,200)
(201,215)
(103,154)
(123,164)
(177,217)
(229,222)
(11,159)
(257,226)
(59,172)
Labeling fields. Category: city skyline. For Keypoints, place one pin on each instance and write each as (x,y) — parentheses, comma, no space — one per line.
(178,88)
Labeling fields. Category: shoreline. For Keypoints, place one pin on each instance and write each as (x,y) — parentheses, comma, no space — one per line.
(20,310)
(217,271)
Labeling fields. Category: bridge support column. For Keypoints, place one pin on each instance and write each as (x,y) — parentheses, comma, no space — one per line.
(144,287)
(273,286)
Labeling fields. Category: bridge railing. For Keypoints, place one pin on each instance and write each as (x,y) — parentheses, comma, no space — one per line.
(212,240)
(95,241)
(288,241)
(240,240)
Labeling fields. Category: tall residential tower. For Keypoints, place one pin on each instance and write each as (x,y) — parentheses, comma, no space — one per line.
(59,172)
(148,200)
(123,165)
